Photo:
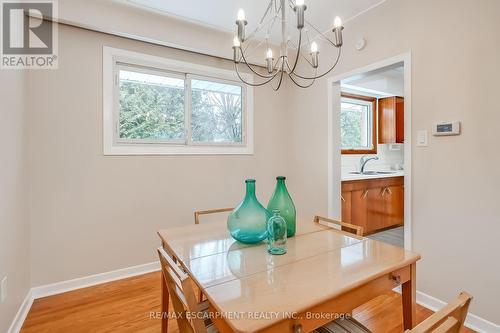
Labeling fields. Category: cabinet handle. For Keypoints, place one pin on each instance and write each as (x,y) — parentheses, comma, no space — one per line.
(388,190)
(342,198)
(365,193)
(396,279)
(383,191)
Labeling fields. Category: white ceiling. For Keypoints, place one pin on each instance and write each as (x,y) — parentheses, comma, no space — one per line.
(382,82)
(221,14)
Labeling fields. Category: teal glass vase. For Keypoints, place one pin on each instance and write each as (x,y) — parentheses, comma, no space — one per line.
(282,201)
(247,223)
(276,234)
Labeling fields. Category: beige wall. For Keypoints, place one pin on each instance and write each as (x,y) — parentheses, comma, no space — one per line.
(14,226)
(456,213)
(92,213)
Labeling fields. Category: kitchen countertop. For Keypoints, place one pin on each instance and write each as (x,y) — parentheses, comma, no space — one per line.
(350,176)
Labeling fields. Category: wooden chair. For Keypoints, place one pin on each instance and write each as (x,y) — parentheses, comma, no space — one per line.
(351,228)
(180,287)
(449,319)
(197,215)
(209,211)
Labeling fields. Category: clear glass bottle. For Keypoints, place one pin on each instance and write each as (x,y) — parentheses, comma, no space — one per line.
(276,234)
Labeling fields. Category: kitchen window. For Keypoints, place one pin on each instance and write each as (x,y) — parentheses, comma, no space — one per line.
(157,106)
(358,123)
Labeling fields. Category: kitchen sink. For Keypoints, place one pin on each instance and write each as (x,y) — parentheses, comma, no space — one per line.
(373,173)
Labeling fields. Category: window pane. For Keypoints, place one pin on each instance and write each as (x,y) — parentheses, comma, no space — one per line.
(355,122)
(216,112)
(151,106)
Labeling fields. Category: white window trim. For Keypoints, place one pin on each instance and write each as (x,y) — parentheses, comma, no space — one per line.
(371,144)
(111,56)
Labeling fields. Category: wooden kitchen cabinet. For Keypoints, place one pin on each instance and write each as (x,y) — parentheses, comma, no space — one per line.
(373,204)
(391,120)
(346,206)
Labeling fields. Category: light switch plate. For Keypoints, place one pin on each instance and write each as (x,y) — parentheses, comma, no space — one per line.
(3,290)
(422,138)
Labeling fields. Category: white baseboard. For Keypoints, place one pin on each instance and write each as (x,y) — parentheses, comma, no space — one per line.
(92,280)
(21,314)
(472,321)
(83,282)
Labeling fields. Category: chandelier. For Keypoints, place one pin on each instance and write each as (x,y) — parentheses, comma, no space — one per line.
(276,69)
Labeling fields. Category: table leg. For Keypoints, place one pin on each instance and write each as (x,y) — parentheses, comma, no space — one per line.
(164,305)
(409,293)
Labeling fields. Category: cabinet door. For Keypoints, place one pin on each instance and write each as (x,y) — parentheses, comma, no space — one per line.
(359,203)
(375,209)
(387,120)
(393,206)
(400,120)
(391,120)
(346,206)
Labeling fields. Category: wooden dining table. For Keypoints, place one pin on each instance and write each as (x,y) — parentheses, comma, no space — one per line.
(325,274)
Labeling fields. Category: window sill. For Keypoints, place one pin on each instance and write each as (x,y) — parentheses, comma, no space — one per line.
(129,149)
(358,151)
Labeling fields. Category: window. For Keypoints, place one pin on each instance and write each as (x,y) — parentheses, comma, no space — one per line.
(358,124)
(154,105)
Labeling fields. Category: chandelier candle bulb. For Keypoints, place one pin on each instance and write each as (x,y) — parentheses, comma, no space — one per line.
(314,54)
(236,49)
(299,8)
(241,22)
(337,31)
(269,60)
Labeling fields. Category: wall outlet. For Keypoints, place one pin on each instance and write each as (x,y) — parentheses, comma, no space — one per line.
(3,290)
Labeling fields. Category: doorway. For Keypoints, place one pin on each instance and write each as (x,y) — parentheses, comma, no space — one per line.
(369,169)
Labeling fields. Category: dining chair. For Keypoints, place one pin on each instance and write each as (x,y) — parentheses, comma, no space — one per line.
(209,211)
(197,215)
(191,316)
(450,319)
(351,228)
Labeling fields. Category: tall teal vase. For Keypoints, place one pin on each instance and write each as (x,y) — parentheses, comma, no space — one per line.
(247,223)
(282,201)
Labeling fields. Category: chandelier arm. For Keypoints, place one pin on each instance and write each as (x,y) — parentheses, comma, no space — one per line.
(281,76)
(298,54)
(250,50)
(320,33)
(300,85)
(325,73)
(252,84)
(301,54)
(259,26)
(250,67)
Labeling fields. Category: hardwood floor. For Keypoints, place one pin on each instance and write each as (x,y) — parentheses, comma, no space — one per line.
(129,306)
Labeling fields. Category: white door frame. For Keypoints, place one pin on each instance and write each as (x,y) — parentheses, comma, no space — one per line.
(334,139)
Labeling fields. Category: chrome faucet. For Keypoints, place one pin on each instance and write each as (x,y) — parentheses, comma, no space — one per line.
(363,160)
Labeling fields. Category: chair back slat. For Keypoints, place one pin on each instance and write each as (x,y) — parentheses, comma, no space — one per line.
(450,319)
(180,287)
(449,325)
(354,229)
(197,214)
